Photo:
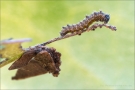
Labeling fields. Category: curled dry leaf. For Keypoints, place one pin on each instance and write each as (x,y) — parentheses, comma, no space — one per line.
(42,60)
(24,59)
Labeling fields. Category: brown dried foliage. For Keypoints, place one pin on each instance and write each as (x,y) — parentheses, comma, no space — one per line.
(42,60)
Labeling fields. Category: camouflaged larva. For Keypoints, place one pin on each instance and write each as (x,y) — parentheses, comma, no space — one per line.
(84,24)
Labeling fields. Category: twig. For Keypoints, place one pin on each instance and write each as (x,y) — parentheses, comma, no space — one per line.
(93,27)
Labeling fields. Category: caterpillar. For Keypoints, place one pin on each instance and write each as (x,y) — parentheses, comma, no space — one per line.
(84,24)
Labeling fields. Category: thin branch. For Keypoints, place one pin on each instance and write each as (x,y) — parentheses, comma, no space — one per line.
(91,28)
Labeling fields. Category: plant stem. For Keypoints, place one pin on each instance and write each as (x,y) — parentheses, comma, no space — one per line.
(92,28)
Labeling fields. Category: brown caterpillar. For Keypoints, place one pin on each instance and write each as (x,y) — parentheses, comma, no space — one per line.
(84,24)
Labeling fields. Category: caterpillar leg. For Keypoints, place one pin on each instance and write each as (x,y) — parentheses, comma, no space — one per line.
(79,32)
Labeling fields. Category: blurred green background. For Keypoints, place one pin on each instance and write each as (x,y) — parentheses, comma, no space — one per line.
(102,59)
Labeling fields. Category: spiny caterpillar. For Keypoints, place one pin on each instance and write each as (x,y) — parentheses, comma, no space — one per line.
(84,24)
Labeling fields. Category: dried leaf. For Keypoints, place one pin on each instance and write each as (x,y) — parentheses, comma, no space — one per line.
(32,69)
(23,60)
(46,61)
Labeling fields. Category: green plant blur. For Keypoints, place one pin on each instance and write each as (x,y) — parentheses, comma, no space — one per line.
(102,59)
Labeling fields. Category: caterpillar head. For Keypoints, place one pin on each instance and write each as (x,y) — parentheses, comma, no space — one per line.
(106,19)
